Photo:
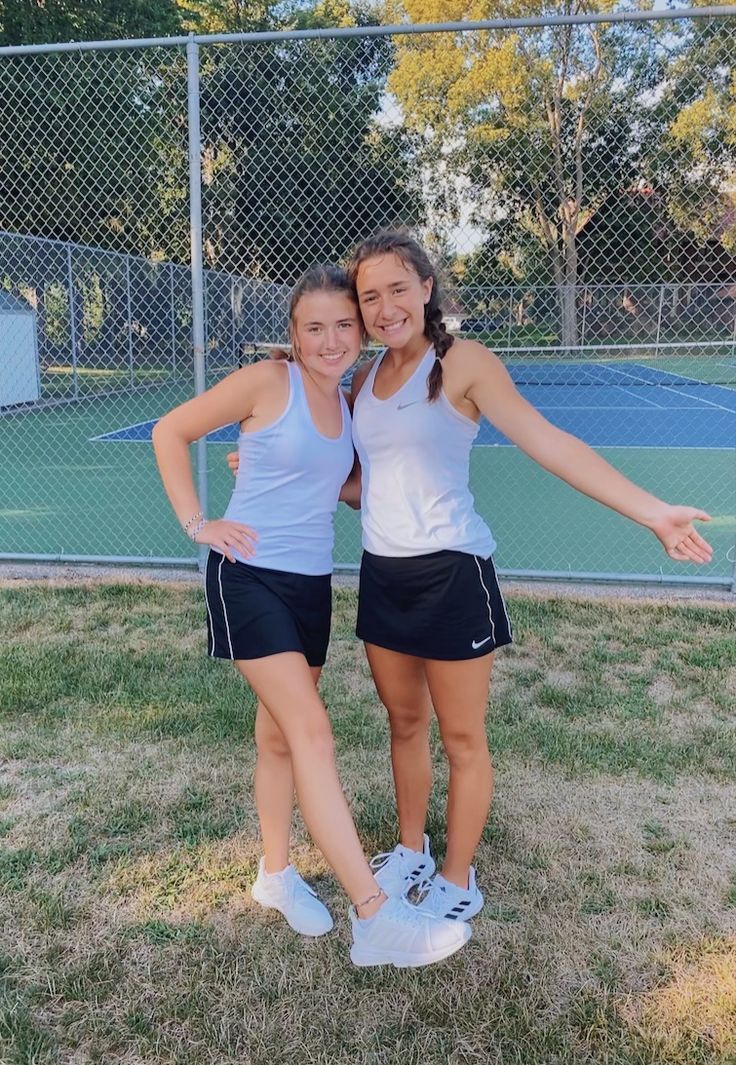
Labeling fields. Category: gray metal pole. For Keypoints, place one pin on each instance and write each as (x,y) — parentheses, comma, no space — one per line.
(655,15)
(233,336)
(659,320)
(195,232)
(172,314)
(130,321)
(72,321)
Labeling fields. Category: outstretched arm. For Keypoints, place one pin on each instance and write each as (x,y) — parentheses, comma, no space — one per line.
(229,401)
(495,395)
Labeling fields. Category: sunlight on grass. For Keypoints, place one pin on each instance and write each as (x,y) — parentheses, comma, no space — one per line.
(697,1007)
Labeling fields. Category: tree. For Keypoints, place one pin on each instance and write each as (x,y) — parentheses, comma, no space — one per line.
(297,165)
(30,22)
(534,127)
(696,162)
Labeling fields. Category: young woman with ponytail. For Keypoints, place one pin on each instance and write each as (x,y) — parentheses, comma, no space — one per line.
(268,597)
(430,610)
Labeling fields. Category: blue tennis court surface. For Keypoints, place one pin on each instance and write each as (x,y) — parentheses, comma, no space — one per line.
(605,404)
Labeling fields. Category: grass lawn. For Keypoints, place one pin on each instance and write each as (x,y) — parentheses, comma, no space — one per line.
(128,842)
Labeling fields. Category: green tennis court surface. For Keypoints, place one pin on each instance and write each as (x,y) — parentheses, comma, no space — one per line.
(65,491)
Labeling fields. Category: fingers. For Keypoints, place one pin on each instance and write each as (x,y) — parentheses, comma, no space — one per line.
(693,548)
(229,538)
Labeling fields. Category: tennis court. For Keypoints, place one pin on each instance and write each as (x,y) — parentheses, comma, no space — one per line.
(83,479)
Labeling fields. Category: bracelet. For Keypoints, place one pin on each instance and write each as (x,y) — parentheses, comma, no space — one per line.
(192,520)
(194,532)
(371,898)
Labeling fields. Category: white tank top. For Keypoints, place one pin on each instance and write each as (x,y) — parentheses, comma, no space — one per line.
(288,484)
(415,457)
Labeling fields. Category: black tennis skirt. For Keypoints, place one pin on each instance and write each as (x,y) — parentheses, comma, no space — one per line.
(445,606)
(253,612)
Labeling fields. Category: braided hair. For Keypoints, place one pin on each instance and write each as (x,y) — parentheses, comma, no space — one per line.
(415,258)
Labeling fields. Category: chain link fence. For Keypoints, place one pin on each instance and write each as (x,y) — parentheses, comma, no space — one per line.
(574,177)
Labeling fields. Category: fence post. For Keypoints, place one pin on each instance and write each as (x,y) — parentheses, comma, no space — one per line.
(659,319)
(72,320)
(130,320)
(195,233)
(172,316)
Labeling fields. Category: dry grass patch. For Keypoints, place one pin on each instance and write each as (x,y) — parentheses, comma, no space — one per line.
(128,843)
(693,1012)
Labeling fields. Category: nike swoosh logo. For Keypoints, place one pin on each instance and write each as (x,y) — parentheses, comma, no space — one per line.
(480,643)
(413,403)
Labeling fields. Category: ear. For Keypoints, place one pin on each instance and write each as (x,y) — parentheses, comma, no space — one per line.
(427,286)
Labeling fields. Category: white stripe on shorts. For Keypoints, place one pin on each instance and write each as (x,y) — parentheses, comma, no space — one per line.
(503,601)
(224,611)
(211,650)
(488,599)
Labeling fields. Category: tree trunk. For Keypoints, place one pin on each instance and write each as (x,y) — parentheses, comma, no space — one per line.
(569,289)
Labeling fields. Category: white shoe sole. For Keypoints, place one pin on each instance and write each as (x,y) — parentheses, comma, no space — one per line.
(264,901)
(365,958)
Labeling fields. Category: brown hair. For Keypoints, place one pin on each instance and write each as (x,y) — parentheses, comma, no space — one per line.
(413,256)
(320,278)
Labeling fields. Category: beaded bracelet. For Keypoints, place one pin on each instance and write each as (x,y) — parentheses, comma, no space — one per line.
(194,532)
(194,517)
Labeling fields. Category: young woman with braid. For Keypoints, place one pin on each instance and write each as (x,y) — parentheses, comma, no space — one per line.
(430,609)
(267,591)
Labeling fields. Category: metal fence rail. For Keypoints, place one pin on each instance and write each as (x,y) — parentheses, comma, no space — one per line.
(573,176)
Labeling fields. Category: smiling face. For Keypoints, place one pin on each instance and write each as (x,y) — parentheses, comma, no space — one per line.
(392,299)
(327,332)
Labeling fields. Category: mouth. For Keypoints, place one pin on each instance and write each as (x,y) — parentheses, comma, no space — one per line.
(335,357)
(393,327)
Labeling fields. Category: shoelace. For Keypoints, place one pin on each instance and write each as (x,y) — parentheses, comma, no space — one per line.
(379,860)
(421,889)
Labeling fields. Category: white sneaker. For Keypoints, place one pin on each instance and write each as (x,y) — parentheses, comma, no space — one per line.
(399,934)
(399,870)
(444,899)
(288,893)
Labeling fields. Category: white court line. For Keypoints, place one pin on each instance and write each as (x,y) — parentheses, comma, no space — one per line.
(106,436)
(678,391)
(641,447)
(565,407)
(620,388)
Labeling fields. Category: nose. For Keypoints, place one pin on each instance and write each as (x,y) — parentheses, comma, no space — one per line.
(387,308)
(331,339)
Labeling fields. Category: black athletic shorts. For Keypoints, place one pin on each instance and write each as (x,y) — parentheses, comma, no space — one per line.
(253,612)
(444,606)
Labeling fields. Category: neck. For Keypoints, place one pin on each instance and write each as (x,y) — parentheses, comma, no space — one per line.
(415,349)
(328,386)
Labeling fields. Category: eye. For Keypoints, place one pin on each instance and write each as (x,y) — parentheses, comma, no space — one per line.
(368,299)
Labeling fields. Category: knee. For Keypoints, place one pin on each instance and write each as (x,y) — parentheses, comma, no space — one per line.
(316,739)
(464,749)
(408,724)
(271,743)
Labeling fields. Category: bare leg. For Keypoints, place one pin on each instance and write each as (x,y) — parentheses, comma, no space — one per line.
(274,787)
(460,696)
(285,684)
(402,688)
